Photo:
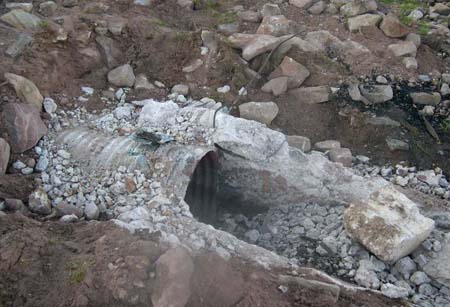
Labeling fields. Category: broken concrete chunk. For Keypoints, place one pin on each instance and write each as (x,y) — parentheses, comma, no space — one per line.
(21,20)
(311,95)
(366,20)
(263,112)
(25,90)
(388,224)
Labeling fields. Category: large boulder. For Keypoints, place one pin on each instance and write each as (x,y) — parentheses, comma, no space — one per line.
(26,90)
(4,156)
(392,27)
(21,20)
(263,112)
(122,76)
(296,72)
(173,274)
(388,224)
(24,126)
(366,20)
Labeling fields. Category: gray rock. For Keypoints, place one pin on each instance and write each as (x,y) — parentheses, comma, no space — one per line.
(64,208)
(39,203)
(69,3)
(403,49)
(123,112)
(49,105)
(393,291)
(327,145)
(250,16)
(445,89)
(406,266)
(395,144)
(91,211)
(294,71)
(312,95)
(252,235)
(377,93)
(143,83)
(410,63)
(301,142)
(21,20)
(367,279)
(42,164)
(416,15)
(427,290)
(47,8)
(122,76)
(270,9)
(382,121)
(414,38)
(317,8)
(341,155)
(354,8)
(228,28)
(181,89)
(253,45)
(426,98)
(72,218)
(392,27)
(196,64)
(5,151)
(366,20)
(27,7)
(302,4)
(437,267)
(263,112)
(19,45)
(419,278)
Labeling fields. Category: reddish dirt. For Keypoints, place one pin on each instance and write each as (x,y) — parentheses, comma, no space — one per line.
(99,264)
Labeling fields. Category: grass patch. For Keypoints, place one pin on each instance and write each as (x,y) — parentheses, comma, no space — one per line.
(445,127)
(423,28)
(224,18)
(77,271)
(43,24)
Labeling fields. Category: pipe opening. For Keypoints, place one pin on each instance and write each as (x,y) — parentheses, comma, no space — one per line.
(201,194)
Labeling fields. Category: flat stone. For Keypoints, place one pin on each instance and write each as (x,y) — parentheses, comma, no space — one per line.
(276,86)
(301,142)
(250,16)
(426,98)
(395,145)
(109,50)
(19,45)
(296,72)
(388,224)
(24,126)
(419,278)
(263,112)
(392,27)
(270,9)
(341,155)
(403,49)
(173,274)
(122,76)
(327,145)
(377,93)
(414,38)
(25,90)
(5,152)
(228,28)
(274,25)
(253,45)
(382,121)
(366,20)
(142,82)
(393,291)
(302,4)
(91,211)
(21,20)
(27,7)
(312,95)
(181,89)
(196,64)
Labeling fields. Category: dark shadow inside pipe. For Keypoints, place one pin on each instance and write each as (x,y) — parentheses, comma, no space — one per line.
(201,194)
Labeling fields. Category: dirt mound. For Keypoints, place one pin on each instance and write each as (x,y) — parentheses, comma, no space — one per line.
(100,264)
